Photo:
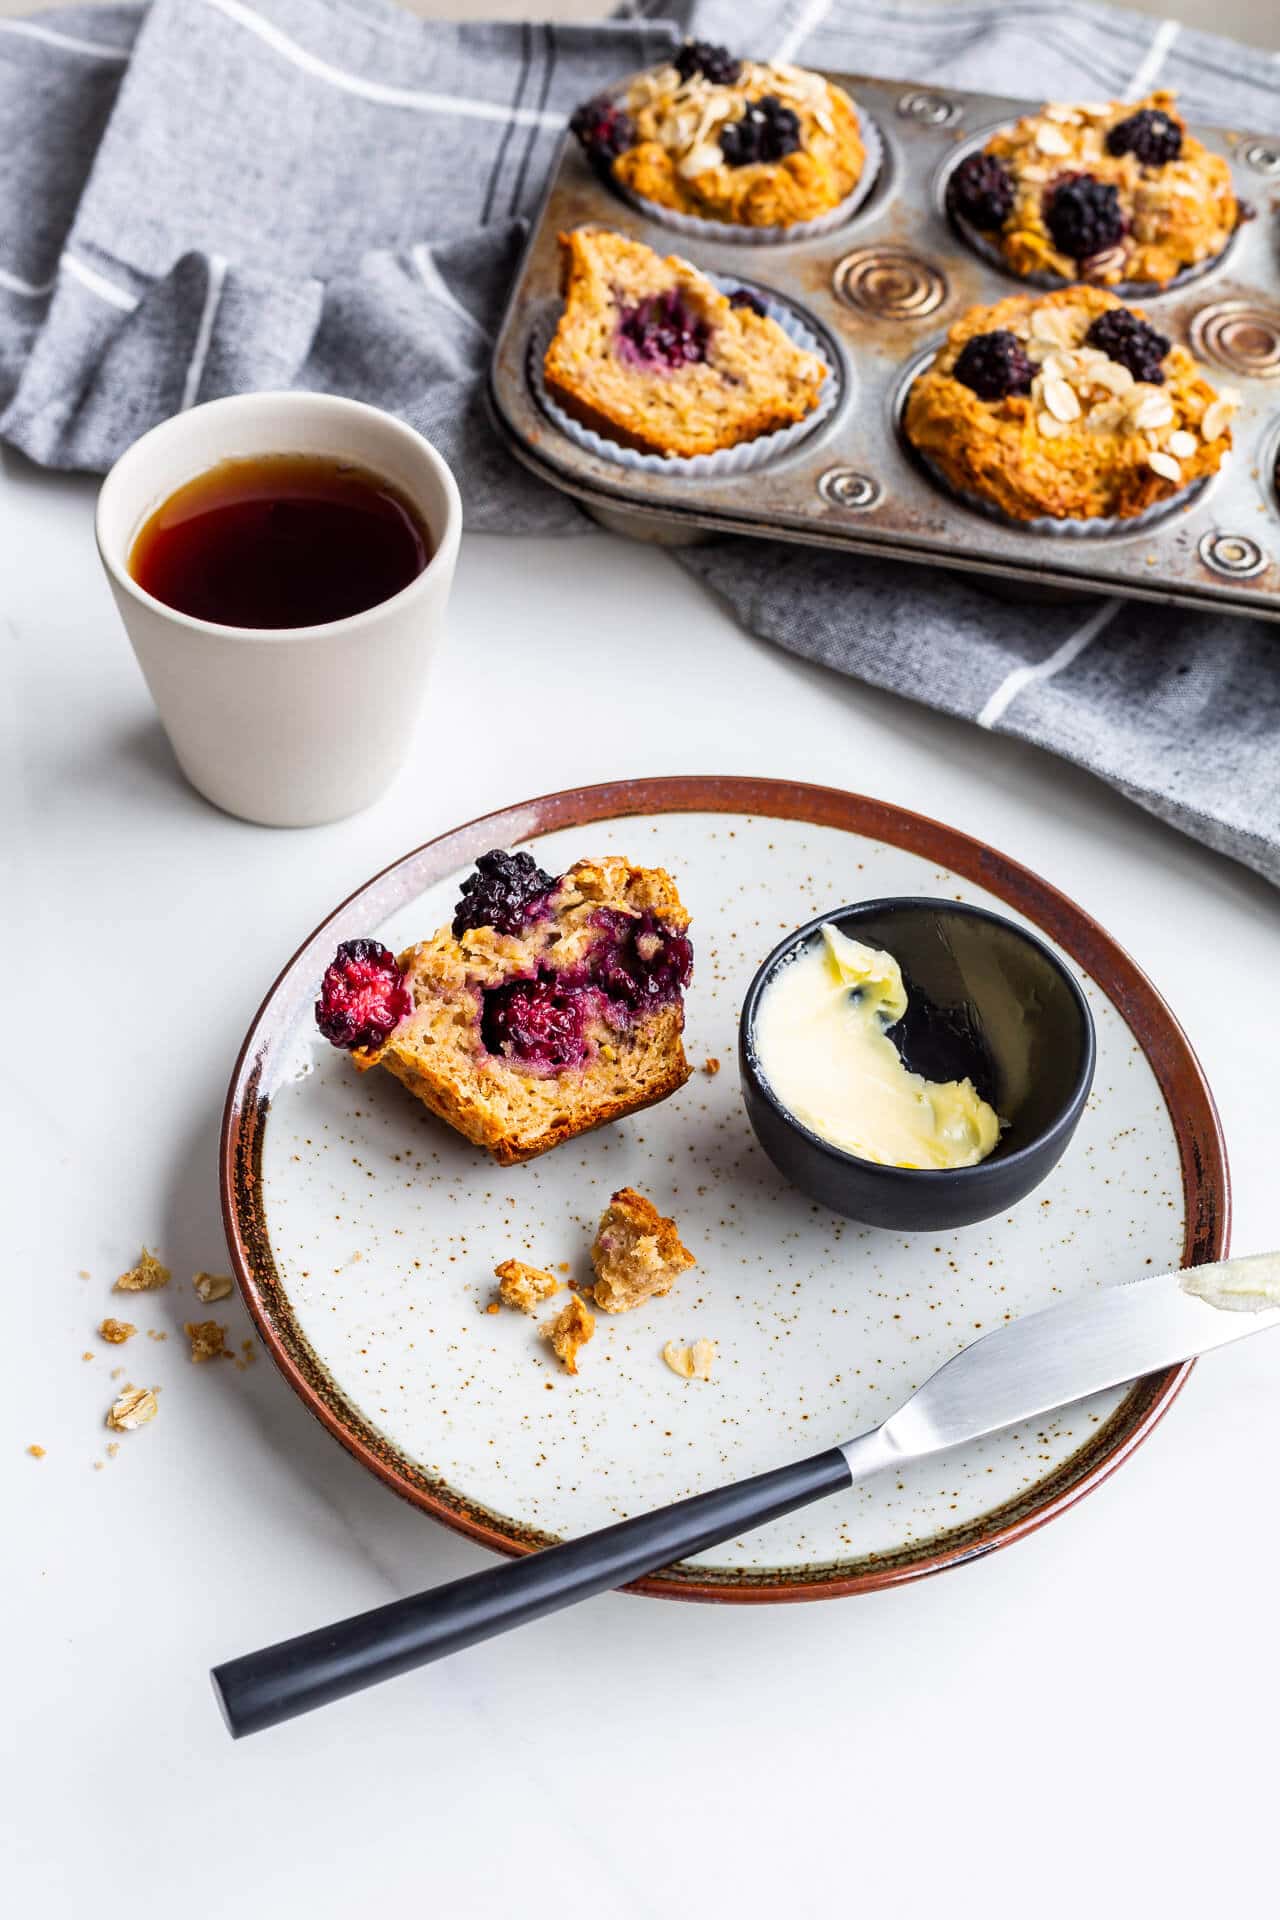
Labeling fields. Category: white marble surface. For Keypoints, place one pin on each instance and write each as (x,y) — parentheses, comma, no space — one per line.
(1082,1723)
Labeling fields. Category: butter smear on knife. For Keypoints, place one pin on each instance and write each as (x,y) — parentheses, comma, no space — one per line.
(1248,1285)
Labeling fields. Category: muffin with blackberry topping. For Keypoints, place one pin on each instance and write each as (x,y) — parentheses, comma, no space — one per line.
(1115,193)
(1070,406)
(547,1007)
(653,356)
(741,142)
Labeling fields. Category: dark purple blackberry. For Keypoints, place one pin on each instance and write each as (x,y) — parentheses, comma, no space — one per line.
(766,131)
(743,297)
(603,130)
(1083,215)
(715,64)
(541,1023)
(1122,336)
(1149,135)
(500,893)
(641,964)
(661,331)
(363,997)
(981,191)
(993,365)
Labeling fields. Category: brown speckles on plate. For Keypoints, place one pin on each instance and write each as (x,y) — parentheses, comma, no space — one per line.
(822,1327)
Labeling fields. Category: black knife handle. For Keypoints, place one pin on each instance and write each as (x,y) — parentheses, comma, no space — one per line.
(261,1689)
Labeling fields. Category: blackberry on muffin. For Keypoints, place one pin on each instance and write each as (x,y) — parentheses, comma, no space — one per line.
(1070,406)
(650,354)
(1110,193)
(741,142)
(561,1012)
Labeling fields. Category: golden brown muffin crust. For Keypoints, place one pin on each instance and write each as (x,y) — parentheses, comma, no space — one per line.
(677,161)
(1089,441)
(1176,215)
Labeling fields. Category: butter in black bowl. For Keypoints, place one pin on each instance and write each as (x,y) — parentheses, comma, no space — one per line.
(924,1094)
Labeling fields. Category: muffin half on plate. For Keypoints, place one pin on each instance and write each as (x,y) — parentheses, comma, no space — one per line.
(547,1007)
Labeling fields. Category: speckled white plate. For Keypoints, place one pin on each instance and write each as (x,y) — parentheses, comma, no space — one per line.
(365,1234)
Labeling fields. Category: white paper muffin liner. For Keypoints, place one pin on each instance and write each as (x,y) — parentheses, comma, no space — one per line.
(698,466)
(986,249)
(699,229)
(1070,529)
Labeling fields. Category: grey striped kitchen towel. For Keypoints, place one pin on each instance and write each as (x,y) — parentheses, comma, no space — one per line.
(210,196)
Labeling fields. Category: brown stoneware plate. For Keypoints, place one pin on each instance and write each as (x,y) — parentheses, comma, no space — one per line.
(364,1234)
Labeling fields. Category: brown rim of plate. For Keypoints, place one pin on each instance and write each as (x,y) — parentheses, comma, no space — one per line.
(1205,1183)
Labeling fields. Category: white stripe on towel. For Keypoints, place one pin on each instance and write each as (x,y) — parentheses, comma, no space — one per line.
(98,283)
(204,332)
(67,41)
(1022,677)
(1153,59)
(11,283)
(386,96)
(794,38)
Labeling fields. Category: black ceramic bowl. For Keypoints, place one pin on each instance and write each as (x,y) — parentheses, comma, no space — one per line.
(986,999)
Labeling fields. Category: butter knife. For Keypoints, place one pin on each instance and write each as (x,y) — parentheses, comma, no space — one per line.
(1019,1371)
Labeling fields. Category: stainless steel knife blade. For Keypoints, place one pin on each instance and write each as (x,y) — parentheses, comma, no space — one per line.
(1050,1359)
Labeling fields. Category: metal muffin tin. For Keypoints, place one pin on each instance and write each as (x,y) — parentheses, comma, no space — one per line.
(881,292)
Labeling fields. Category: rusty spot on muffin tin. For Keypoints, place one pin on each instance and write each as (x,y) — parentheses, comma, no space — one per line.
(863,288)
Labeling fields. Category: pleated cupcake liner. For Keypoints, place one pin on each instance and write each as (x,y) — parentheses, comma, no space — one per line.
(1070,529)
(1047,282)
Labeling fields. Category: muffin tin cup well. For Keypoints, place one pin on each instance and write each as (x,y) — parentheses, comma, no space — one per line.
(748,454)
(694,228)
(877,296)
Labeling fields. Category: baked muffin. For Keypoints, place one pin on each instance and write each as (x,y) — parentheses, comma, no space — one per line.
(737,141)
(548,1006)
(653,356)
(1115,193)
(1070,405)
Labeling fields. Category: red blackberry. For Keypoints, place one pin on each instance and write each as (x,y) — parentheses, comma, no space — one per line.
(1083,215)
(715,64)
(603,130)
(1152,137)
(501,893)
(993,365)
(1122,336)
(980,191)
(363,996)
(743,297)
(661,331)
(767,131)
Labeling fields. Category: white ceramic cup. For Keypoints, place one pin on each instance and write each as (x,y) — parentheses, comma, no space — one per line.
(288,726)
